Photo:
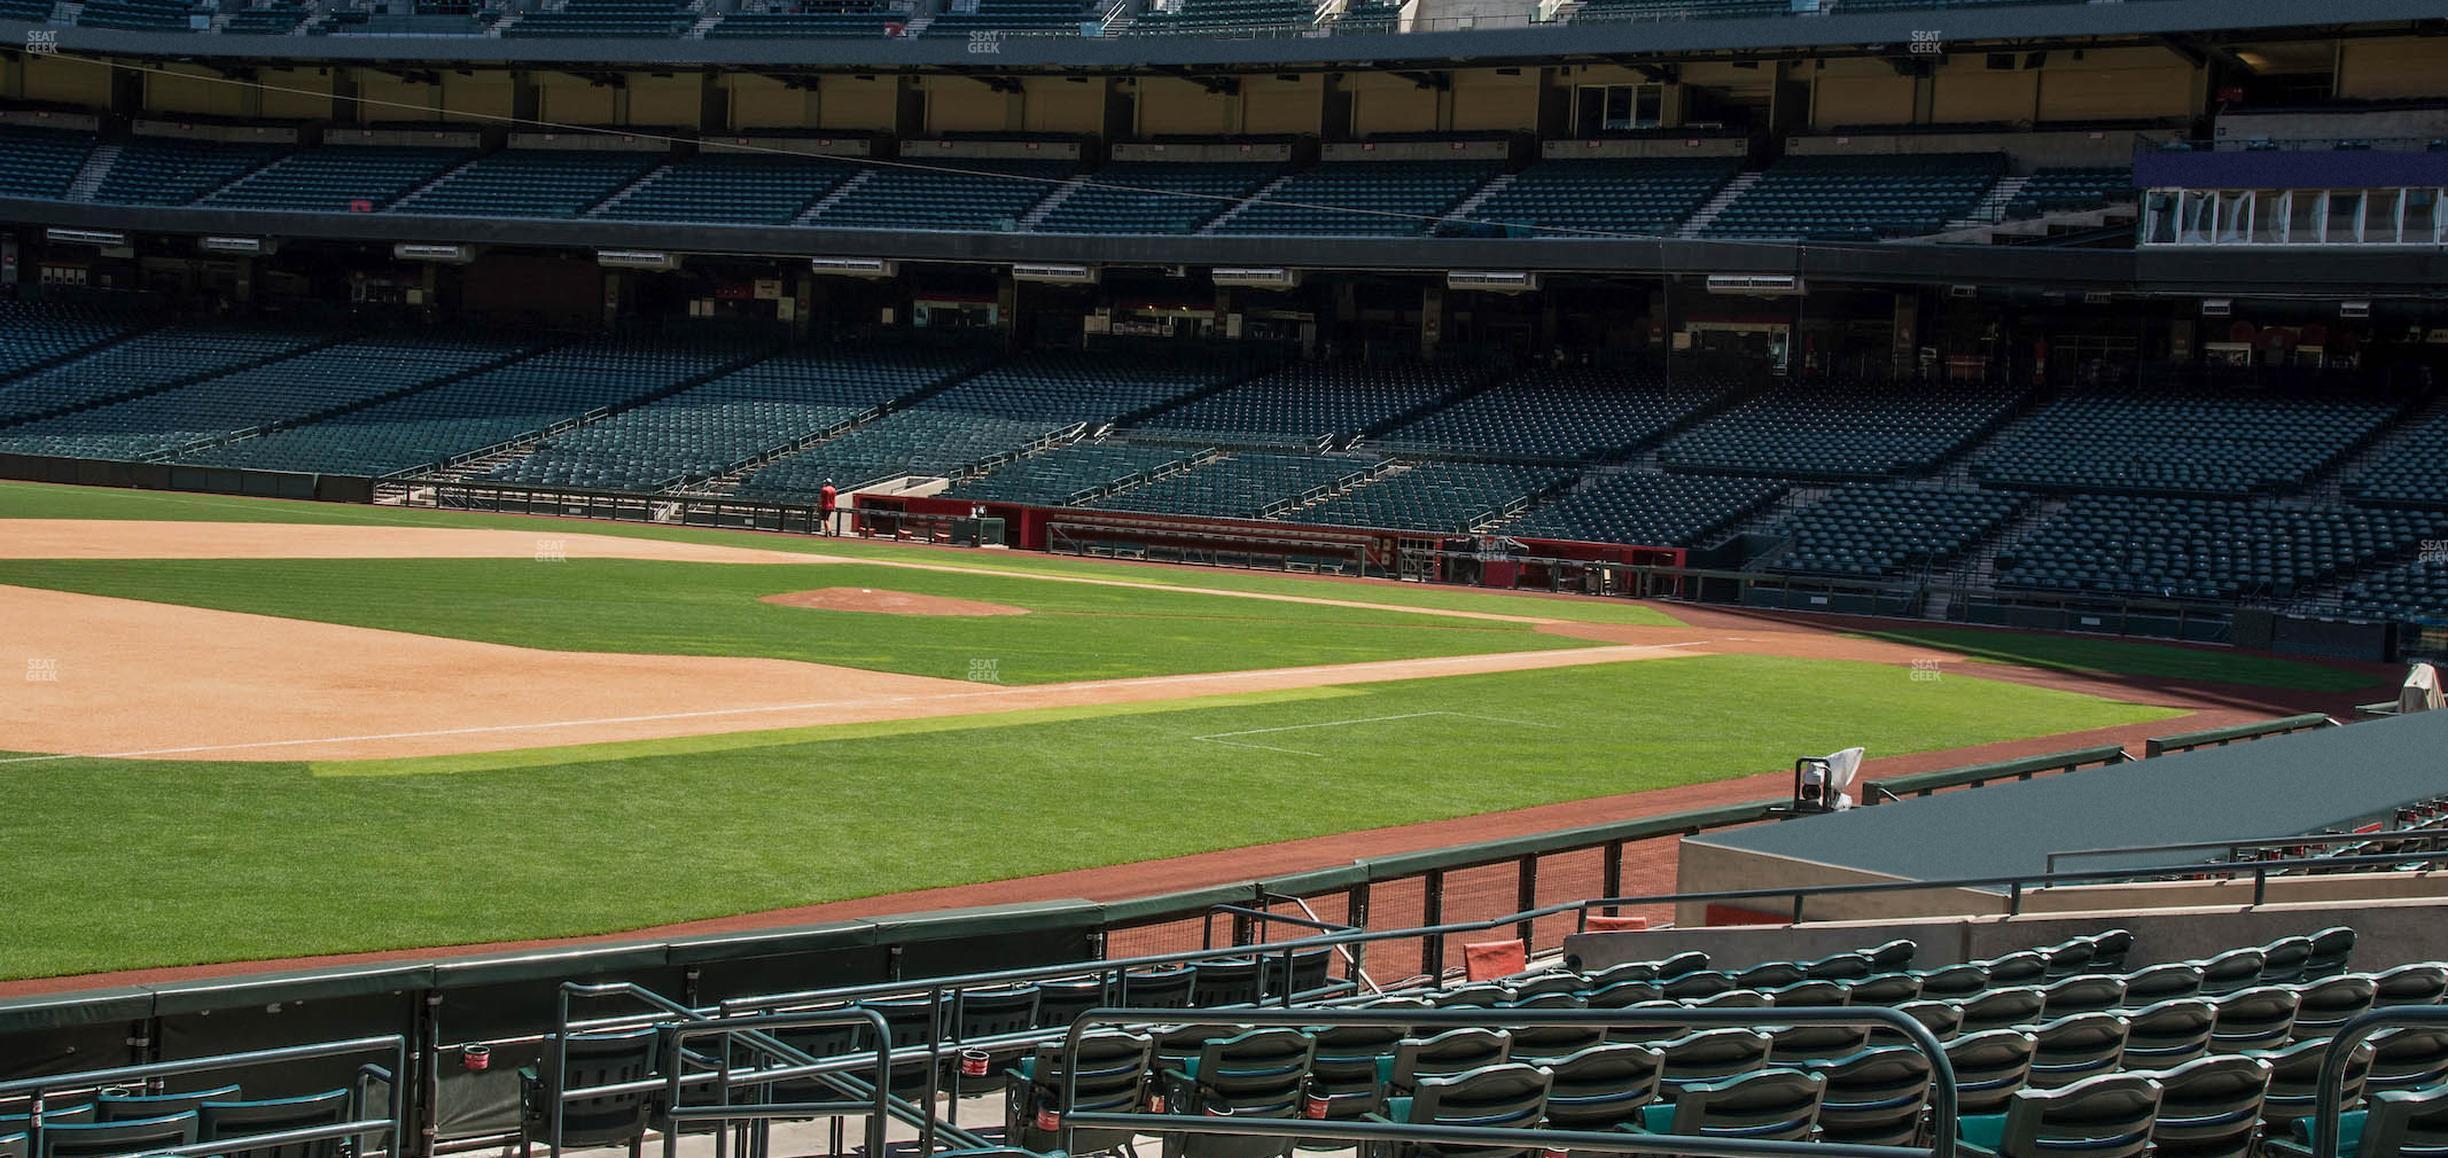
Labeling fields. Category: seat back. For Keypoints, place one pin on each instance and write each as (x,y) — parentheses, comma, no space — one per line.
(2230,971)
(1624,993)
(116,1106)
(1990,1067)
(1446,1054)
(2087,993)
(2108,950)
(1841,967)
(1893,955)
(1309,971)
(127,1136)
(1167,988)
(1344,1074)
(2283,960)
(1789,1044)
(1540,1043)
(1476,995)
(1944,1020)
(1693,986)
(1766,1106)
(222,1121)
(1710,1055)
(1259,1074)
(1803,993)
(1885,989)
(1602,1087)
(599,1059)
(2418,984)
(1771,975)
(1874,1097)
(2068,958)
(1510,1096)
(2108,1116)
(12,1144)
(2163,983)
(2211,1106)
(1542,984)
(2170,1033)
(2407,1123)
(2324,1006)
(2028,967)
(1955,982)
(1687,962)
(2259,1018)
(1226,981)
(2332,948)
(2409,1058)
(2003,1008)
(1114,1070)
(2078,1047)
(2294,1083)
(1060,1002)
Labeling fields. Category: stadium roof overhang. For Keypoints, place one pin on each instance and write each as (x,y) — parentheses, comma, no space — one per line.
(2237,271)
(1751,38)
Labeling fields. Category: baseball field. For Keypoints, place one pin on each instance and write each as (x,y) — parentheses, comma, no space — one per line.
(252,730)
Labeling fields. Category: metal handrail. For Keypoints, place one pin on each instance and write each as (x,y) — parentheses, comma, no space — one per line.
(358,1126)
(1943,1092)
(677,1037)
(2326,1106)
(2231,847)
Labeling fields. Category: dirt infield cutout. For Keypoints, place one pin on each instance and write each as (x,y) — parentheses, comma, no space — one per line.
(874,602)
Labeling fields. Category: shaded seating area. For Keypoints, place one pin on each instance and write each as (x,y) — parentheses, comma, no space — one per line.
(2203,549)
(1444,497)
(604,18)
(1641,509)
(1642,197)
(949,193)
(532,183)
(2180,441)
(1872,530)
(1569,414)
(336,178)
(1363,199)
(1310,404)
(1170,197)
(1860,198)
(731,188)
(1835,429)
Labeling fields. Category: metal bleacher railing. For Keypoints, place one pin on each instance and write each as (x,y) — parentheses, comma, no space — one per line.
(360,1121)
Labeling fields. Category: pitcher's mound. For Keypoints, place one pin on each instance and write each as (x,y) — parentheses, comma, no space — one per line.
(888,602)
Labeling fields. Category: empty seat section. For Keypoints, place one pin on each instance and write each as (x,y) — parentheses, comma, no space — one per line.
(1225,17)
(478,411)
(1446,497)
(2179,441)
(1363,199)
(1154,197)
(851,21)
(1877,529)
(35,333)
(731,188)
(1600,11)
(2408,472)
(1072,472)
(605,18)
(532,183)
(1011,17)
(1306,405)
(1859,198)
(1567,198)
(715,427)
(954,193)
(2203,549)
(336,178)
(1242,486)
(148,361)
(1834,429)
(995,413)
(138,15)
(274,19)
(1573,414)
(2408,593)
(1646,510)
(307,384)
(2061,190)
(177,171)
(40,162)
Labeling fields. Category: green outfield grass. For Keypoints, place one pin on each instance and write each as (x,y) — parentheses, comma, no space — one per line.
(250,861)
(2118,657)
(1073,630)
(35,501)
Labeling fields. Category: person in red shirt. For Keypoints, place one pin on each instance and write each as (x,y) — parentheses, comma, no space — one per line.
(826,499)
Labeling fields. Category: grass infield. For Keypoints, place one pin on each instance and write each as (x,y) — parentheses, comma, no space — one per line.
(263,860)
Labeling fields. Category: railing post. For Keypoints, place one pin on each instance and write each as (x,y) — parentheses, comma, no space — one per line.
(1432,913)
(1356,914)
(1610,874)
(1525,898)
